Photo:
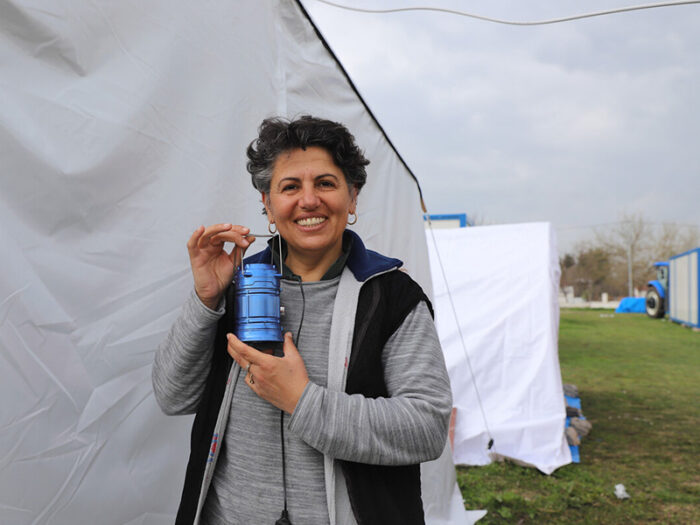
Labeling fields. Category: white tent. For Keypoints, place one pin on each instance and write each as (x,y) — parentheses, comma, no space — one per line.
(506,381)
(123,127)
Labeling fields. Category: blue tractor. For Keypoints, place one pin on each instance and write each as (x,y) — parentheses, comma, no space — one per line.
(657,291)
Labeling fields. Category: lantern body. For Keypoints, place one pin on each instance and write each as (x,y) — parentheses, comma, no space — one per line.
(257,312)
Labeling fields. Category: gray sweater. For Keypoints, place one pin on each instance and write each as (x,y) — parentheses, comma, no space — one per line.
(406,428)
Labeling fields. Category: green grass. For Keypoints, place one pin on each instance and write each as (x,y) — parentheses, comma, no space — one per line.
(639,383)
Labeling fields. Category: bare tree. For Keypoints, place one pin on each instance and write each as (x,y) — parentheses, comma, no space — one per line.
(626,242)
(673,239)
(621,257)
(592,271)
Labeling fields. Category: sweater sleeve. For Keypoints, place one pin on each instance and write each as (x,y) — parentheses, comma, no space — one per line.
(183,359)
(410,426)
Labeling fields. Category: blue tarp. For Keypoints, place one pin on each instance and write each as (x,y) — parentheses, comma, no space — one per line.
(632,305)
(576,403)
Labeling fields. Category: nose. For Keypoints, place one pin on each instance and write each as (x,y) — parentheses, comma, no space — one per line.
(308,199)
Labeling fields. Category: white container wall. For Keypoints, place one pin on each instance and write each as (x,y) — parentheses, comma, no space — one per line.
(684,288)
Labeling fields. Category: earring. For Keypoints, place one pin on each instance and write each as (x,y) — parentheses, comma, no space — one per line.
(354,220)
(269,227)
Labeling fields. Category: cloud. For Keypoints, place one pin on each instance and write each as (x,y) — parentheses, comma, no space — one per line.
(568,123)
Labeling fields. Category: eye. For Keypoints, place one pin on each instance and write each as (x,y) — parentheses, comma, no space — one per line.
(291,186)
(326,183)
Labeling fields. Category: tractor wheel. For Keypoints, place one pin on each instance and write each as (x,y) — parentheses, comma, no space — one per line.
(655,304)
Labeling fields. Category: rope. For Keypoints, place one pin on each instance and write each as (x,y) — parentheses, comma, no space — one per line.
(461,336)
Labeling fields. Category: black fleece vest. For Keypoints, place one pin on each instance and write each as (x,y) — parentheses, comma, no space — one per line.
(379,494)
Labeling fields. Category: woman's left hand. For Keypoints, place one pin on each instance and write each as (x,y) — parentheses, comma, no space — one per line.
(278,380)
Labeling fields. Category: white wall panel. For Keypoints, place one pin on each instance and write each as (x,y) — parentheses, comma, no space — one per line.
(684,288)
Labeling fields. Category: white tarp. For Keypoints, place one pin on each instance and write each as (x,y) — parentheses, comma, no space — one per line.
(123,126)
(504,283)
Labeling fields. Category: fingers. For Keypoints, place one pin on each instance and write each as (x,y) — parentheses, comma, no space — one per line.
(202,236)
(244,354)
(194,238)
(278,380)
(220,233)
(241,240)
(247,356)
(248,374)
(289,347)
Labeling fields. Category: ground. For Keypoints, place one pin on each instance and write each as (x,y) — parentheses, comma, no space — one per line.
(639,384)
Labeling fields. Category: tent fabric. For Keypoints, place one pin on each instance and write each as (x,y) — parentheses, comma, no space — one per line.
(632,305)
(123,127)
(503,281)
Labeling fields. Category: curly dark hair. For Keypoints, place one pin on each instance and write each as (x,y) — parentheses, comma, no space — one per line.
(277,135)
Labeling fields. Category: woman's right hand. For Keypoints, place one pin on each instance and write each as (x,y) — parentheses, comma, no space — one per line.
(212,266)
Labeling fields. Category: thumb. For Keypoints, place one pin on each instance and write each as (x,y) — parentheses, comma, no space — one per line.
(290,349)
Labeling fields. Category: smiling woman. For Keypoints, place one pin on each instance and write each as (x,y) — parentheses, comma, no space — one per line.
(309,201)
(335,429)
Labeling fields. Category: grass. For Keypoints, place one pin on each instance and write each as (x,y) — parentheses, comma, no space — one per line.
(639,383)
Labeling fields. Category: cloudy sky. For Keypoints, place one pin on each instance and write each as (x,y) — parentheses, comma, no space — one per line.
(573,123)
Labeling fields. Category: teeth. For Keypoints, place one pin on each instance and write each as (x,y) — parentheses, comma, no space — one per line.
(311,221)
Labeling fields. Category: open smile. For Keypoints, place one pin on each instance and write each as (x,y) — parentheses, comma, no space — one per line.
(310,221)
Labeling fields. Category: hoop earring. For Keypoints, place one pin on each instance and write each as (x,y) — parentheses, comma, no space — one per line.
(354,220)
(269,227)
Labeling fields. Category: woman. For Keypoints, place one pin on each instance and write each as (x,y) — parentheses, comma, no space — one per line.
(334,430)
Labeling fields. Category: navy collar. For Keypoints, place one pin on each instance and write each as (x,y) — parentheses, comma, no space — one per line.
(335,269)
(363,263)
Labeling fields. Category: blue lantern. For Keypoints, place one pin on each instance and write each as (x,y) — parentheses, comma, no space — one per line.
(257,313)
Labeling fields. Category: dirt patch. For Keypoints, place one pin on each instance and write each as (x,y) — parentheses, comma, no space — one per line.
(681,513)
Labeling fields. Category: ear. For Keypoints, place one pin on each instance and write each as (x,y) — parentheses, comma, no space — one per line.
(266,202)
(353,199)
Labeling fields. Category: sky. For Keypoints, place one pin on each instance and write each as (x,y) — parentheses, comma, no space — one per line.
(575,123)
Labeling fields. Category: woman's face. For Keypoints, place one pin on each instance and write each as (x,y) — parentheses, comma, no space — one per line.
(309,201)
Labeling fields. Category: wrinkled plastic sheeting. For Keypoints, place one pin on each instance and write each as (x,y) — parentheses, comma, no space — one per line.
(442,499)
(123,127)
(504,283)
